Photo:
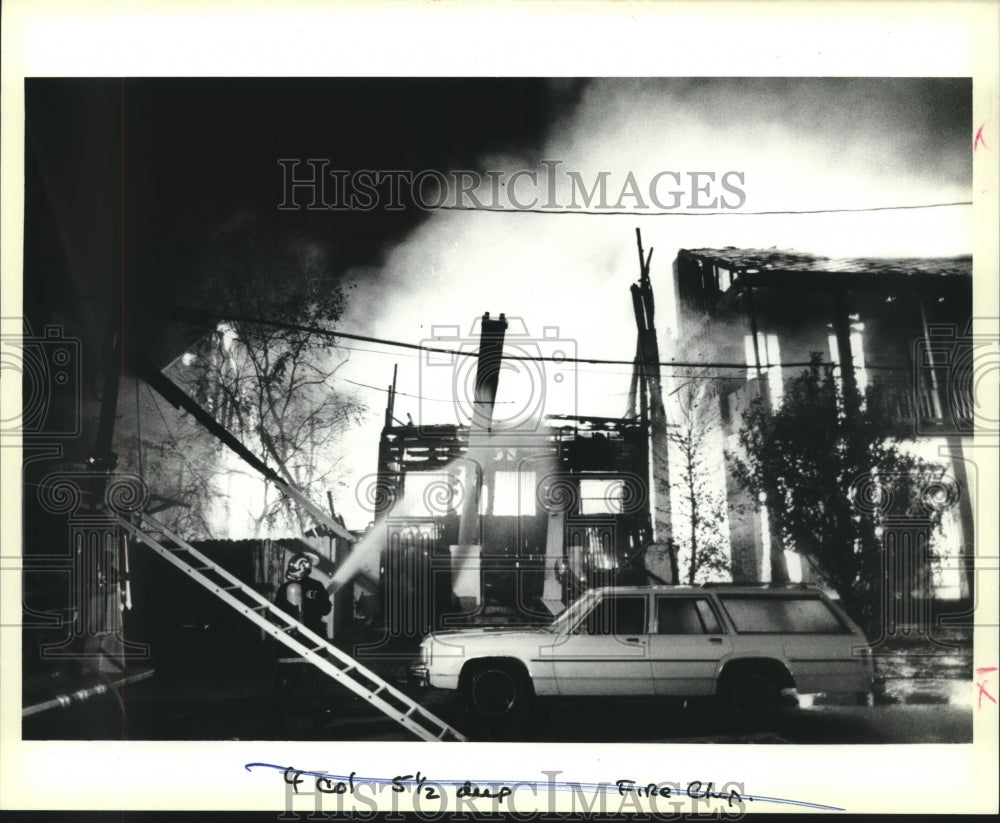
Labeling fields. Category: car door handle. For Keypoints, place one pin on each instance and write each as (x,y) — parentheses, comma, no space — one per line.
(715,640)
(632,640)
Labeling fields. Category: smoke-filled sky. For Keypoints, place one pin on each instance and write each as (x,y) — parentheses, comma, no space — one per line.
(800,145)
(194,156)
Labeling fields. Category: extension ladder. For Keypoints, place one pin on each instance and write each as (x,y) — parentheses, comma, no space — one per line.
(312,648)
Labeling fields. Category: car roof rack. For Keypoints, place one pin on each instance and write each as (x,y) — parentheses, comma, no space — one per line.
(757,584)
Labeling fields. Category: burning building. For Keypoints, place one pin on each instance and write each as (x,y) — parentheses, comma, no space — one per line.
(487,522)
(898,330)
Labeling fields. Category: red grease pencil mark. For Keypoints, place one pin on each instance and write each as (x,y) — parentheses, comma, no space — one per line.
(980,139)
(983,683)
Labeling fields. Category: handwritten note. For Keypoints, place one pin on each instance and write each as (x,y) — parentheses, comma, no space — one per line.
(418,787)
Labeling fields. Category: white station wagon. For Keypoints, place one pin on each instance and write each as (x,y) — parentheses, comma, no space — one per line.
(742,644)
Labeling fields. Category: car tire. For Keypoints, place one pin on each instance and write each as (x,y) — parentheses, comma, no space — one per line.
(751,698)
(497,690)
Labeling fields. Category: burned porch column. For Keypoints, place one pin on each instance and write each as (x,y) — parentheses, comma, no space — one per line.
(467,583)
(777,567)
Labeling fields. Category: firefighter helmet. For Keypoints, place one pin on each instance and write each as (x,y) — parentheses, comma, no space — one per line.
(298,567)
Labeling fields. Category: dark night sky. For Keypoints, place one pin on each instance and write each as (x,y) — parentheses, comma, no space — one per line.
(199,153)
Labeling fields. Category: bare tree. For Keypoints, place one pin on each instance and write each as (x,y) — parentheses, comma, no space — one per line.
(267,370)
(176,458)
(700,505)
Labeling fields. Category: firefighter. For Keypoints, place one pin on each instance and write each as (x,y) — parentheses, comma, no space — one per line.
(306,600)
(302,597)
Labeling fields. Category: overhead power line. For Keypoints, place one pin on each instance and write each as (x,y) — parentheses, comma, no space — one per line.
(733,213)
(405,394)
(192,313)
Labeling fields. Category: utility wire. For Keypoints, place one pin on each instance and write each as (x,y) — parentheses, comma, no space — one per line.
(205,315)
(733,213)
(405,394)
(618,373)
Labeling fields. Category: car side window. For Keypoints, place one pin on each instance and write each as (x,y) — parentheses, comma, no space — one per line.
(620,615)
(685,615)
(781,615)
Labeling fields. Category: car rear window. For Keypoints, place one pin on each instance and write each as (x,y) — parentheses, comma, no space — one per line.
(781,615)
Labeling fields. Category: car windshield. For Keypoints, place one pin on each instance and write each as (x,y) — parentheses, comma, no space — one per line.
(576,610)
